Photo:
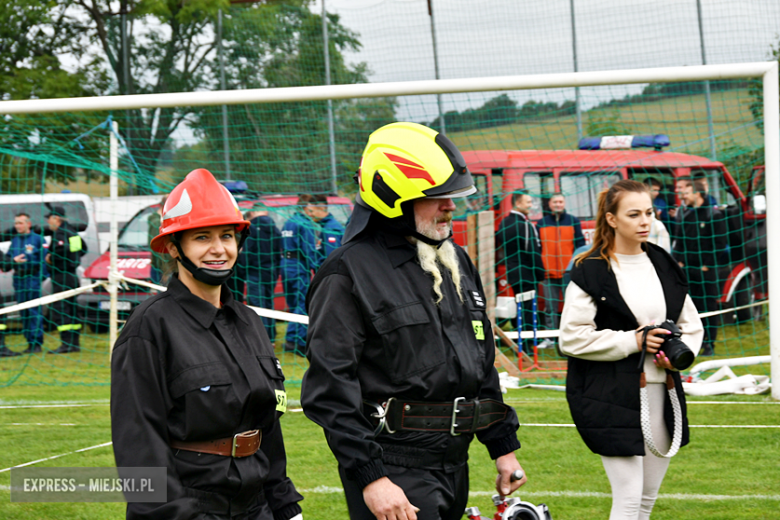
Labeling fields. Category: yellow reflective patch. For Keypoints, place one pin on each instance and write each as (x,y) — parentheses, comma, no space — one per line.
(479,330)
(281,401)
(75,243)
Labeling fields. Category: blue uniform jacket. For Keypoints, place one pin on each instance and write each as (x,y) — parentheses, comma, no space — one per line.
(264,245)
(31,245)
(332,232)
(298,237)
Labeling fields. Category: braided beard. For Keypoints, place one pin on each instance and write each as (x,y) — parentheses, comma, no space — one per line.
(430,258)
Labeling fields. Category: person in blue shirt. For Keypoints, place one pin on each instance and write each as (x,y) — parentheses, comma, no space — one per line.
(331,231)
(263,250)
(659,203)
(25,258)
(299,258)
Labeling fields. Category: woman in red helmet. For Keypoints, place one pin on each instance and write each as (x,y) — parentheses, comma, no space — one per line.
(195,385)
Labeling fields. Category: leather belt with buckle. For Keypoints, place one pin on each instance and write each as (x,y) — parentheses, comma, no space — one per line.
(241,444)
(458,416)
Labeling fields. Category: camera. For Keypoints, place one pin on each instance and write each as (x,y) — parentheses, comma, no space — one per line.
(678,352)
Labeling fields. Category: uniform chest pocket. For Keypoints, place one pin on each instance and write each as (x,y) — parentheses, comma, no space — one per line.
(409,343)
(273,369)
(206,399)
(478,320)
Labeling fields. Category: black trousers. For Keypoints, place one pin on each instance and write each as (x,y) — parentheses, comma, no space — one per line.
(527,316)
(65,313)
(704,289)
(438,494)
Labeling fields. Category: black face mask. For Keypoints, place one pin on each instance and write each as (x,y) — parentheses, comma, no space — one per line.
(215,277)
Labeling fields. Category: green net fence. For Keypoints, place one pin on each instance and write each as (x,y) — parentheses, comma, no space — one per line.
(273,153)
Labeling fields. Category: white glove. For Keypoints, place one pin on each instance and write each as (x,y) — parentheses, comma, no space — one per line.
(299,516)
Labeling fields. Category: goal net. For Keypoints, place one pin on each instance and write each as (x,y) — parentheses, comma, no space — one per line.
(278,145)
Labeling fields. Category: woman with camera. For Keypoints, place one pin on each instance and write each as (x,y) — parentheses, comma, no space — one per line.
(615,331)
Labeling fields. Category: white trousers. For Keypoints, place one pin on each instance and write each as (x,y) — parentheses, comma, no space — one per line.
(635,480)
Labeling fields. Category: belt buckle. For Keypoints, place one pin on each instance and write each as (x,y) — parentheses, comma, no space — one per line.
(381,414)
(235,438)
(455,415)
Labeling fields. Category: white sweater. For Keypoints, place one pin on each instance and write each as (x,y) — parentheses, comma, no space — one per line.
(641,289)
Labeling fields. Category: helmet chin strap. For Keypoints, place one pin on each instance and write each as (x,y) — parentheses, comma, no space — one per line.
(215,277)
(430,241)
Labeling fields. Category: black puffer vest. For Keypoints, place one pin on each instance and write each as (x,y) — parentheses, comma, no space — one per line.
(603,396)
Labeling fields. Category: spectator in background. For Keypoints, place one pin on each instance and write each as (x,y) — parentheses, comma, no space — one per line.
(299,258)
(65,252)
(675,214)
(706,184)
(519,239)
(263,250)
(331,231)
(25,257)
(158,259)
(700,239)
(659,203)
(561,234)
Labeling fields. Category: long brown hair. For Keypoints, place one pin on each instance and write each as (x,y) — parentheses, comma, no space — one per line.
(604,235)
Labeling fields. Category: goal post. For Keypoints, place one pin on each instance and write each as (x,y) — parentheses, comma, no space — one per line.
(768,71)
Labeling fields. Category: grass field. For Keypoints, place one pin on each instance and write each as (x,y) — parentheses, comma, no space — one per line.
(730,471)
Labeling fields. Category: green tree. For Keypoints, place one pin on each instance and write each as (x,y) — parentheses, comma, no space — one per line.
(283,147)
(33,34)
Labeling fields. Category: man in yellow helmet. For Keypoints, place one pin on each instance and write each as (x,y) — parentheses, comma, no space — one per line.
(401,351)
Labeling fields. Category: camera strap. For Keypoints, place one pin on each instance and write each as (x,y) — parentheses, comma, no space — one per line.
(644,406)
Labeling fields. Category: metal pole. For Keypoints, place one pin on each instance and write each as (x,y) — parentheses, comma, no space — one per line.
(772,161)
(128,89)
(331,131)
(443,127)
(577,105)
(225,141)
(113,281)
(710,123)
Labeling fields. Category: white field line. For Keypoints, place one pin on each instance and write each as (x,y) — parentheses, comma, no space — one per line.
(562,400)
(74,405)
(4,402)
(37,424)
(57,456)
(327,490)
(563,425)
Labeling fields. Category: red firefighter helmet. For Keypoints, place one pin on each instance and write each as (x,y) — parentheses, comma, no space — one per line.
(196,202)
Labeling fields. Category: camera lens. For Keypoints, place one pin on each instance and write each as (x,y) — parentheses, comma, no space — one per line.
(680,356)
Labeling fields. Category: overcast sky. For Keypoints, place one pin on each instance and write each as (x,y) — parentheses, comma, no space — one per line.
(478,38)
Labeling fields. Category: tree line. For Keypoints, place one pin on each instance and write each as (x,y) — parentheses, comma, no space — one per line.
(75,48)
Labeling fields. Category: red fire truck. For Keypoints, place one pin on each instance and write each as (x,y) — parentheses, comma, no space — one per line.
(581,174)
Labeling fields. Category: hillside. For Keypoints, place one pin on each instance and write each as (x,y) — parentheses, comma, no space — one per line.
(683,118)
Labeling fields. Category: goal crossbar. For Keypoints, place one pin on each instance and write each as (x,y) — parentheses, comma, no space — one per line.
(768,71)
(400,88)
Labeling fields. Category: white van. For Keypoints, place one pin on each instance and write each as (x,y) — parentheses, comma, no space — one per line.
(124,208)
(79,212)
